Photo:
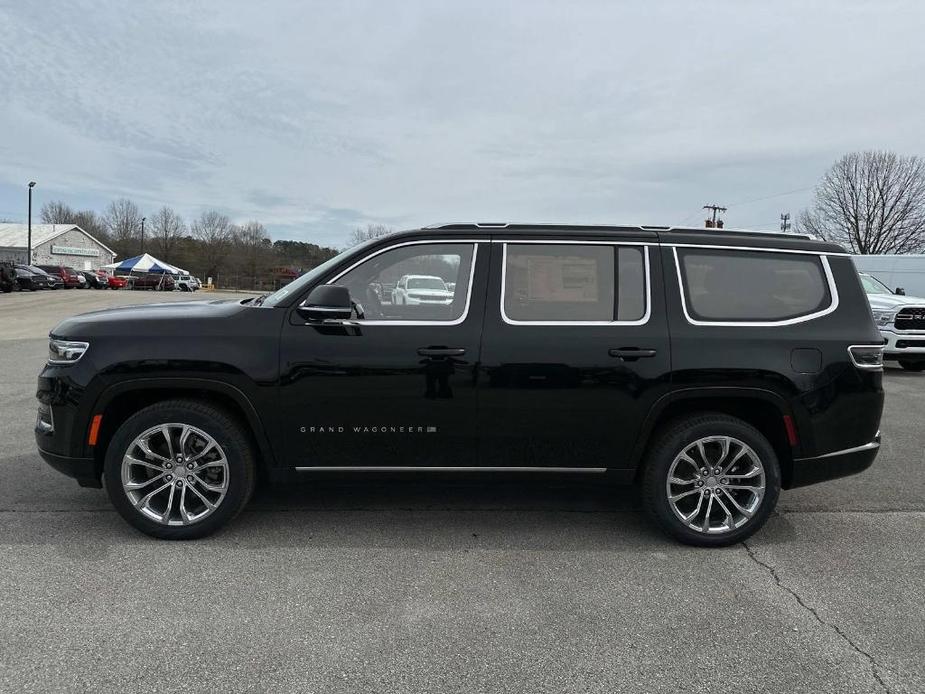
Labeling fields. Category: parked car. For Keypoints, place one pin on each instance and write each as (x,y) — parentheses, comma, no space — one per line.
(421,289)
(186,283)
(53,281)
(631,351)
(7,276)
(31,279)
(117,281)
(152,281)
(901,320)
(94,280)
(68,276)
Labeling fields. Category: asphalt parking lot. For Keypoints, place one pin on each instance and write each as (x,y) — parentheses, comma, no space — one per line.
(437,584)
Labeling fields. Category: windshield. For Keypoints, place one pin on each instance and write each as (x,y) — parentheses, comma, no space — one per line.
(426,283)
(874,286)
(301,282)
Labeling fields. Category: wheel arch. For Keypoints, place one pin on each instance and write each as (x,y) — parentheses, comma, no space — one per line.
(763,409)
(120,401)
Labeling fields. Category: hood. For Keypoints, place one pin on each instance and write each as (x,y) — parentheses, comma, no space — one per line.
(146,319)
(888,301)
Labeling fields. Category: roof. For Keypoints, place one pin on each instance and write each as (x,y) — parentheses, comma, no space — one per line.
(16,235)
(662,234)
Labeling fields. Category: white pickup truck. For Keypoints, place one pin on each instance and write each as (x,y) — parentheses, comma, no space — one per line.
(901,320)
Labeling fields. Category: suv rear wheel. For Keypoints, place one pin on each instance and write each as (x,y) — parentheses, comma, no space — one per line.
(711,480)
(179,469)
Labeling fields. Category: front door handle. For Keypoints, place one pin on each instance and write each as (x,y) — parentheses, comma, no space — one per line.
(632,353)
(441,351)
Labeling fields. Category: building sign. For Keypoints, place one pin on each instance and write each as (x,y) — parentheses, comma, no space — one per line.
(72,250)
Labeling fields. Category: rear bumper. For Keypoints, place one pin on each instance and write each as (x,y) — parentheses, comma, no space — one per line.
(834,465)
(84,470)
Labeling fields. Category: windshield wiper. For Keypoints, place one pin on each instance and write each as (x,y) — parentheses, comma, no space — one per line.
(259,300)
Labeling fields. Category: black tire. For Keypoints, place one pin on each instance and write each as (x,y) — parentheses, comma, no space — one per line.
(227,431)
(671,441)
(912,365)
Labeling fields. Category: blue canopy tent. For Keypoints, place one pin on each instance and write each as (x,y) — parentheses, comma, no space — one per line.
(145,264)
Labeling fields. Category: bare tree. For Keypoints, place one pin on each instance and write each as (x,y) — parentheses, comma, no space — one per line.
(871,202)
(57,212)
(123,221)
(92,223)
(167,228)
(253,250)
(213,231)
(372,231)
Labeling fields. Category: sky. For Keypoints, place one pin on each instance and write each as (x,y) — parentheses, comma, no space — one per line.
(318,117)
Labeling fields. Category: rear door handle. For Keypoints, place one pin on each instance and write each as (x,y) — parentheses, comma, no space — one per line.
(632,353)
(441,351)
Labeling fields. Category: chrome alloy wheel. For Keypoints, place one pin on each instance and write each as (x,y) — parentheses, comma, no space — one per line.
(175,474)
(716,484)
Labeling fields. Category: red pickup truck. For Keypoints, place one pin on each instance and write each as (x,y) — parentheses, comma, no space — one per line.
(69,278)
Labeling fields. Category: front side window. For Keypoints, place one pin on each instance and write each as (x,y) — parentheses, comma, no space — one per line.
(752,286)
(414,282)
(573,283)
(874,286)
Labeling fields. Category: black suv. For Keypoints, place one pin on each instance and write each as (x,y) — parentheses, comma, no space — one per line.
(712,367)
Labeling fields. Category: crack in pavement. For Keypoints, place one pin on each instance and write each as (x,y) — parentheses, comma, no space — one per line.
(874,666)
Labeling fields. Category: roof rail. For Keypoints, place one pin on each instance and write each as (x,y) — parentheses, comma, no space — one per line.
(726,230)
(643,227)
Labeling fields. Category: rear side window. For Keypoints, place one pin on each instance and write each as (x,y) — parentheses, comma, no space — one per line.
(573,283)
(751,286)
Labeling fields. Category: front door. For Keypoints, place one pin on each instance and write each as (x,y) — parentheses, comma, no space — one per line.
(575,350)
(396,385)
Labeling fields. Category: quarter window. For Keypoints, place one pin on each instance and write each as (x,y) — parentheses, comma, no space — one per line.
(752,286)
(573,283)
(416,282)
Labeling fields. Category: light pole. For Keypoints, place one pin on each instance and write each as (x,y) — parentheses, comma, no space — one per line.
(143,234)
(29,233)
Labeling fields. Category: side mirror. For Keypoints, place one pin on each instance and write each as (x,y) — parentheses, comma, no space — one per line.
(900,291)
(326,301)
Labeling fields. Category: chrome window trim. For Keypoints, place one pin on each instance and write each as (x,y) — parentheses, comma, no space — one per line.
(763,249)
(578,242)
(475,250)
(827,271)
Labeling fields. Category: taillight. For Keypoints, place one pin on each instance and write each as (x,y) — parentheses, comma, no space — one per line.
(866,356)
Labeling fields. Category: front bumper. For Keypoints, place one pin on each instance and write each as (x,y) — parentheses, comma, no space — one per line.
(906,345)
(84,470)
(834,465)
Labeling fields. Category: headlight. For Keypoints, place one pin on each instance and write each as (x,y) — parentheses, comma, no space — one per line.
(884,316)
(66,351)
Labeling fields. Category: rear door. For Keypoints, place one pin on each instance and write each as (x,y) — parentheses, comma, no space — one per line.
(575,350)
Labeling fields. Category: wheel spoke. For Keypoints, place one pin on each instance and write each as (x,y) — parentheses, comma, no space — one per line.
(724,452)
(209,504)
(145,447)
(165,430)
(184,438)
(143,501)
(209,446)
(693,514)
(165,516)
(184,512)
(703,453)
(754,472)
(139,485)
(735,459)
(678,480)
(221,462)
(706,519)
(211,487)
(741,509)
(730,523)
(137,461)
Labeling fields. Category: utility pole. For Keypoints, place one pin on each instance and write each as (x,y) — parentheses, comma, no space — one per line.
(713,223)
(785,222)
(143,235)
(29,233)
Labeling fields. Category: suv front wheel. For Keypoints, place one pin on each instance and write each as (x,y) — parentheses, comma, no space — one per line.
(711,480)
(179,469)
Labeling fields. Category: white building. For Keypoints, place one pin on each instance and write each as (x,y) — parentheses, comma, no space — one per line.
(54,244)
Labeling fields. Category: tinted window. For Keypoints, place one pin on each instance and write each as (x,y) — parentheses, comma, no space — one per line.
(374,282)
(573,282)
(721,285)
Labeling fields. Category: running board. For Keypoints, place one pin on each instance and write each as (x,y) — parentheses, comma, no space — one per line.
(423,468)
